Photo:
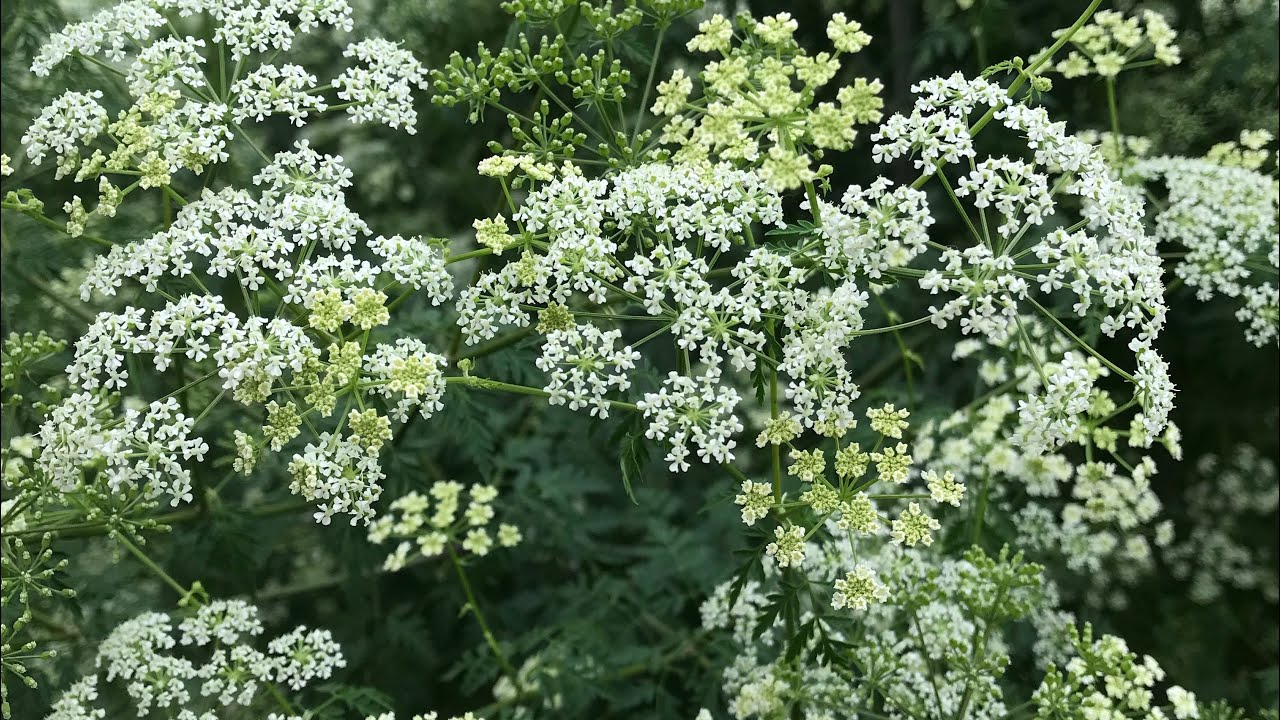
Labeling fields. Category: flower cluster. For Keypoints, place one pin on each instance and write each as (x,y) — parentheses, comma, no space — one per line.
(1106,679)
(254,241)
(917,640)
(582,365)
(1227,217)
(179,120)
(1099,518)
(436,520)
(875,229)
(206,659)
(1112,43)
(139,451)
(1113,270)
(654,268)
(693,410)
(758,106)
(858,589)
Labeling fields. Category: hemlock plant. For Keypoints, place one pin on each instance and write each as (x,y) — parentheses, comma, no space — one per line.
(670,243)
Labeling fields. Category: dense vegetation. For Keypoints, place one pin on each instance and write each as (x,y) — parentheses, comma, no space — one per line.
(640,359)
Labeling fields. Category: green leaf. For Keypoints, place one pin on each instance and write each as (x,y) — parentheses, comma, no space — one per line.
(803,227)
(364,701)
(633,458)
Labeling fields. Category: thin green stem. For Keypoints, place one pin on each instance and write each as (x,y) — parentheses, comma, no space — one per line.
(648,84)
(1115,114)
(951,193)
(487,384)
(281,700)
(171,193)
(98,527)
(152,566)
(60,227)
(1026,344)
(933,672)
(245,136)
(1083,345)
(484,625)
(1039,62)
(468,255)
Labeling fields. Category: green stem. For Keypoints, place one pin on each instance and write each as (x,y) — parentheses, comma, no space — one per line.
(245,136)
(933,672)
(281,700)
(1083,345)
(484,625)
(60,227)
(775,449)
(153,567)
(980,237)
(648,85)
(734,472)
(1022,77)
(169,192)
(468,255)
(812,194)
(1026,344)
(95,528)
(1115,114)
(49,292)
(487,384)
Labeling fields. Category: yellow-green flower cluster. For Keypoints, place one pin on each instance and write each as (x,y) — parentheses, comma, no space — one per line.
(913,527)
(888,421)
(492,233)
(893,463)
(755,499)
(780,430)
(859,515)
(858,589)
(760,106)
(1112,43)
(944,488)
(809,465)
(437,521)
(787,549)
(1250,153)
(851,462)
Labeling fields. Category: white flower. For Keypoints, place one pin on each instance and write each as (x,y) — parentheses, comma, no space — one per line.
(858,589)
(1184,703)
(339,476)
(406,370)
(301,656)
(693,410)
(381,89)
(65,125)
(167,65)
(140,452)
(1052,418)
(1014,188)
(876,228)
(270,90)
(583,365)
(417,263)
